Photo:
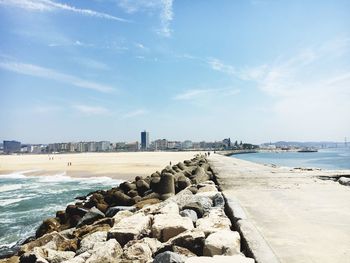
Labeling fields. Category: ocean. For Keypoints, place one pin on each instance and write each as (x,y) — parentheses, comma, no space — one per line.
(26,200)
(334,158)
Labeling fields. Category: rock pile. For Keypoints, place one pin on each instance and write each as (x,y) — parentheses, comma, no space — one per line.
(176,215)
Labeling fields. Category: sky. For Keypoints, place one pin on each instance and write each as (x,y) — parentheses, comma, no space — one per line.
(252,70)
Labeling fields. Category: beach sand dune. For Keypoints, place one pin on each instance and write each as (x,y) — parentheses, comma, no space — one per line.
(115,165)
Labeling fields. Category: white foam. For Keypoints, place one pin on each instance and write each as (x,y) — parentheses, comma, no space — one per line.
(10,187)
(12,201)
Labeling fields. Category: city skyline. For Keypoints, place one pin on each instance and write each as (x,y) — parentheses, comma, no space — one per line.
(257,70)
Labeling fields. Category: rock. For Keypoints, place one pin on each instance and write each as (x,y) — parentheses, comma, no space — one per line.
(131,227)
(79,259)
(207,188)
(195,206)
(167,186)
(224,242)
(191,239)
(218,200)
(166,226)
(13,259)
(183,251)
(114,198)
(54,256)
(72,210)
(105,252)
(127,186)
(89,229)
(181,166)
(121,215)
(216,220)
(141,249)
(37,255)
(142,187)
(56,240)
(344,181)
(168,208)
(146,202)
(169,257)
(190,214)
(61,215)
(106,220)
(221,259)
(89,240)
(132,193)
(48,226)
(115,209)
(182,182)
(93,215)
(199,175)
(102,207)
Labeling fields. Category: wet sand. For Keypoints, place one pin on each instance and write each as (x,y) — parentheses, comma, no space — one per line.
(115,165)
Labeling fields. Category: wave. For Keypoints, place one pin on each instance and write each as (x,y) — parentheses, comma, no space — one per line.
(11,201)
(10,187)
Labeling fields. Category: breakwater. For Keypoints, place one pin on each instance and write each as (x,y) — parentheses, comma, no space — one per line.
(176,215)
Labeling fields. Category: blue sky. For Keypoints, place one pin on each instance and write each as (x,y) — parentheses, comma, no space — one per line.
(258,70)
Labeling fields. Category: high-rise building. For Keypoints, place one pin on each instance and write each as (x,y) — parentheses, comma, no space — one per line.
(12,146)
(144,140)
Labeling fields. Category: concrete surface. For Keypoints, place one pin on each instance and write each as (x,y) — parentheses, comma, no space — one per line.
(302,219)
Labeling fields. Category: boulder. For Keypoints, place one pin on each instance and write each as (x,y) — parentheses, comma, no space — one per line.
(105,252)
(13,259)
(190,214)
(218,200)
(37,255)
(344,181)
(131,227)
(89,240)
(49,225)
(191,239)
(169,257)
(72,210)
(183,251)
(121,215)
(79,259)
(199,175)
(55,240)
(106,220)
(127,186)
(223,242)
(166,226)
(147,202)
(216,220)
(195,206)
(115,209)
(221,259)
(114,198)
(89,229)
(90,217)
(207,188)
(141,249)
(54,256)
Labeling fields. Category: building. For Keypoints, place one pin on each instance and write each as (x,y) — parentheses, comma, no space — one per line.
(160,144)
(144,140)
(131,146)
(12,146)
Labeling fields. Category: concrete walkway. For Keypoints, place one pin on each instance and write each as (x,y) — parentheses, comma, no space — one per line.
(302,218)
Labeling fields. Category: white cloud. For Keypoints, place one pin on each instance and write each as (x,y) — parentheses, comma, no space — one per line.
(48,5)
(91,110)
(134,113)
(198,93)
(218,65)
(164,7)
(37,71)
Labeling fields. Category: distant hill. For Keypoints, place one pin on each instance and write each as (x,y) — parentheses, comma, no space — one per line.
(321,144)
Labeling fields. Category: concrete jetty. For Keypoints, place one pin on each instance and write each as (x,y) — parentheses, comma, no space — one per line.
(287,215)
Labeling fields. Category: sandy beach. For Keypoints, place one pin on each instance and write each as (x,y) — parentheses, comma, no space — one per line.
(115,165)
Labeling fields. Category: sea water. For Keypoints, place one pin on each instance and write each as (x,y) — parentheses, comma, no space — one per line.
(334,158)
(26,200)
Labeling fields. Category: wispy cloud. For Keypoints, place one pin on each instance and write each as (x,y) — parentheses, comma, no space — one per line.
(134,113)
(48,5)
(91,63)
(47,73)
(164,7)
(198,93)
(91,110)
(46,109)
(218,65)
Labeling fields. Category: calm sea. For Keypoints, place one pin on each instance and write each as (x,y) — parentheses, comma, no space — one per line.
(335,158)
(26,200)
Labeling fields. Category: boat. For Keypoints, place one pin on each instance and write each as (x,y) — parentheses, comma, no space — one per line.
(307,150)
